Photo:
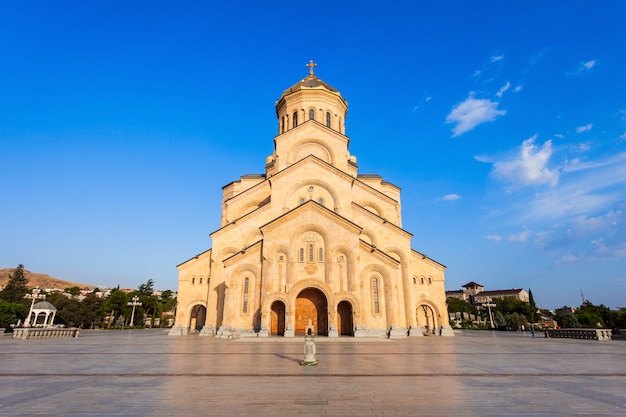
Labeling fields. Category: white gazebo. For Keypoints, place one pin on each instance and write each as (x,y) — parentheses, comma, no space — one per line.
(42,314)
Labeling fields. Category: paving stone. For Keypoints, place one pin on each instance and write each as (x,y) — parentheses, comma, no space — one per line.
(148,373)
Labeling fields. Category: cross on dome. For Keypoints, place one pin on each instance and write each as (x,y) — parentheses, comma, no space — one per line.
(311,65)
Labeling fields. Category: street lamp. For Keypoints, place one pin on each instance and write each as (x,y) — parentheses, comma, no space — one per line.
(134,302)
(34,295)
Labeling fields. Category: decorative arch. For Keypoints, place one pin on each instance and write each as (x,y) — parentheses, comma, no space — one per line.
(368,236)
(291,193)
(302,150)
(254,236)
(428,315)
(305,147)
(384,289)
(399,253)
(373,207)
(344,270)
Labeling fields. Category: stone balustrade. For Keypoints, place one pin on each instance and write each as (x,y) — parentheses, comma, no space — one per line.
(44,333)
(590,334)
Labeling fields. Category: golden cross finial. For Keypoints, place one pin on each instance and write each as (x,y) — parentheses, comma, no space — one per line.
(311,64)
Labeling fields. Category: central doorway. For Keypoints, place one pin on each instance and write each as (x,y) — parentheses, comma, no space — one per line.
(311,305)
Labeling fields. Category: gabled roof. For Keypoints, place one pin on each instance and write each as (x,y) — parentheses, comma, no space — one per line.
(316,206)
(472,284)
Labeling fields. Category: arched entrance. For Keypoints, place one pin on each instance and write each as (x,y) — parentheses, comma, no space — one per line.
(426,318)
(277,319)
(311,304)
(198,317)
(344,318)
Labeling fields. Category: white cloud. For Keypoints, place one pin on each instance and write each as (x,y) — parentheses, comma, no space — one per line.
(471,113)
(503,89)
(583,67)
(529,167)
(623,137)
(569,259)
(497,58)
(585,189)
(589,64)
(495,238)
(559,136)
(585,128)
(521,236)
(450,197)
(517,89)
(583,147)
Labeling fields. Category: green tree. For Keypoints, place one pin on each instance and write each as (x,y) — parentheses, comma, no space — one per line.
(67,309)
(510,305)
(456,305)
(499,320)
(532,306)
(11,313)
(75,291)
(116,303)
(90,311)
(146,289)
(16,289)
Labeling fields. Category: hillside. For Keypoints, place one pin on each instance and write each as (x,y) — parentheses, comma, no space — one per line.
(41,280)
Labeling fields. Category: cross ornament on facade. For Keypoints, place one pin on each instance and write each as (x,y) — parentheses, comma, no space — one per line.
(311,65)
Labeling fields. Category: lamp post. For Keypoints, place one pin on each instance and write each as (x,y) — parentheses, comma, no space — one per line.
(34,295)
(134,302)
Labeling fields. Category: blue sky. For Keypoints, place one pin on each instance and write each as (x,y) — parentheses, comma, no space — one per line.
(504,123)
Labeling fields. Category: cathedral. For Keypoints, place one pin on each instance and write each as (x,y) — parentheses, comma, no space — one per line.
(311,243)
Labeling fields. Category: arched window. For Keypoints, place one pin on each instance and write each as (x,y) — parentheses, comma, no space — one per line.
(282,125)
(430,280)
(311,252)
(193,280)
(320,255)
(295,118)
(375,290)
(311,114)
(421,280)
(245,294)
(301,200)
(327,119)
(301,256)
(414,280)
(321,201)
(200,280)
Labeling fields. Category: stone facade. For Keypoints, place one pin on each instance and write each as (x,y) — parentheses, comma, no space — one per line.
(311,240)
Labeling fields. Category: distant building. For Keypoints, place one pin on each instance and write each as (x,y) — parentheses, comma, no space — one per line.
(476,293)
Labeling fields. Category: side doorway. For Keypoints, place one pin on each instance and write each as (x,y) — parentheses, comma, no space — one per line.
(344,318)
(277,319)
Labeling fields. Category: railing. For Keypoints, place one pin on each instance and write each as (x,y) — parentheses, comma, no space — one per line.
(44,333)
(590,334)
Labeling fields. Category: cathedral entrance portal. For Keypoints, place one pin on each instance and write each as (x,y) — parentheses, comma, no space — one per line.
(344,319)
(426,318)
(198,317)
(311,304)
(277,319)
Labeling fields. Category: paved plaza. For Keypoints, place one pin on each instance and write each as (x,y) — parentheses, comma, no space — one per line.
(148,373)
